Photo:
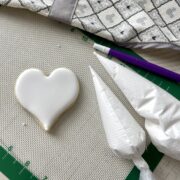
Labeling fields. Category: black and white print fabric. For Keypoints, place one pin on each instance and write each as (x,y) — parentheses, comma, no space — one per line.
(133,23)
(38,6)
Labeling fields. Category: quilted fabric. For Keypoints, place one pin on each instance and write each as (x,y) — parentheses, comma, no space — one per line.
(131,23)
(137,23)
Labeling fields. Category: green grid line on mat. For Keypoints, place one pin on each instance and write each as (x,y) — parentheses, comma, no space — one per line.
(13,169)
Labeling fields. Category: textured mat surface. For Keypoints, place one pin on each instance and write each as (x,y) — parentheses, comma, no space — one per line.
(76,147)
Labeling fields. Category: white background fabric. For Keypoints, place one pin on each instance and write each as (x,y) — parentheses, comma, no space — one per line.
(76,148)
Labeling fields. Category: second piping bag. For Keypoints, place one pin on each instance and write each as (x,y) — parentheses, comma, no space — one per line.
(125,136)
(160,109)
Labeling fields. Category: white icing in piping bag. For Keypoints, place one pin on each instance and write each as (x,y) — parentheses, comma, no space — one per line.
(160,109)
(125,136)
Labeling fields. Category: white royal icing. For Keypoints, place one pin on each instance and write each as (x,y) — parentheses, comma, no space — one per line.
(160,109)
(125,136)
(47,97)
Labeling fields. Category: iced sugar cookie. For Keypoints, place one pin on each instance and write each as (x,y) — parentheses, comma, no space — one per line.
(47,97)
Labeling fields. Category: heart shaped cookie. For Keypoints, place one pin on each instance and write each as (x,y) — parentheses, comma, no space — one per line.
(47,97)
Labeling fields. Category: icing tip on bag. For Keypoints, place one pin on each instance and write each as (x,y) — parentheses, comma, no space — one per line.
(101,48)
(92,71)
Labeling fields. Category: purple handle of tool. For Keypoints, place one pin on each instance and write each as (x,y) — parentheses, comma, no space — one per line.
(145,65)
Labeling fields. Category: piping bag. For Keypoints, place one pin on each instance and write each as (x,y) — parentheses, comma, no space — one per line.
(159,108)
(125,136)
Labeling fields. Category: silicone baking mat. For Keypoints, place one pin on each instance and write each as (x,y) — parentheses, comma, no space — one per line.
(76,148)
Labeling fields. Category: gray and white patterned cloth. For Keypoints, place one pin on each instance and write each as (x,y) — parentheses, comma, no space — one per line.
(130,23)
